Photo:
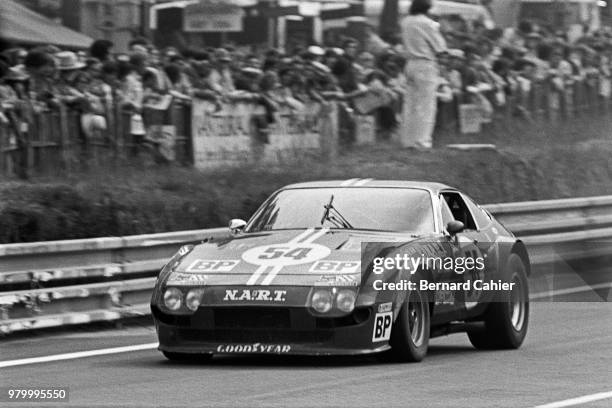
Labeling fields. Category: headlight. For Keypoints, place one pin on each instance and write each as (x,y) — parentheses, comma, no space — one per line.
(193,299)
(321,301)
(173,299)
(345,300)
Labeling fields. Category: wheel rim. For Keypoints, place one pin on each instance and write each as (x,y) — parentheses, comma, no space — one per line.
(416,318)
(517,303)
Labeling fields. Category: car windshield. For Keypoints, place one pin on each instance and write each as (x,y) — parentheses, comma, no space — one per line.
(378,209)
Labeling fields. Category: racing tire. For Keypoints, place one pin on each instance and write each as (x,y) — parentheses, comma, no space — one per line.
(187,357)
(506,319)
(410,333)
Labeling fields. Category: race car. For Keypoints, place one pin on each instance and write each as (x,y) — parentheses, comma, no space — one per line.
(347,267)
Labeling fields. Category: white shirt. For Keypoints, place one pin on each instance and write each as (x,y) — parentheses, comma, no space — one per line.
(422,38)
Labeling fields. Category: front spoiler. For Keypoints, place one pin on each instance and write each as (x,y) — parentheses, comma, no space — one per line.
(302,335)
(296,350)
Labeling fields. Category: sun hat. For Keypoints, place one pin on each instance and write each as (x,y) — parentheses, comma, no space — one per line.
(68,61)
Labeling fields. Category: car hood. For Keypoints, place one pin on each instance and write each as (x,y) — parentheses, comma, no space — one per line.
(308,257)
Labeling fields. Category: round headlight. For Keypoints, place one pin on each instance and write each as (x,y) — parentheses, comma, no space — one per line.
(193,299)
(173,299)
(321,301)
(345,300)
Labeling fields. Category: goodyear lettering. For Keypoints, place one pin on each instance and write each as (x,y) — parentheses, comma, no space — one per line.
(254,348)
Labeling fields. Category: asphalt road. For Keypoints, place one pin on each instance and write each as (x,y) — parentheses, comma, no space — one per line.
(567,354)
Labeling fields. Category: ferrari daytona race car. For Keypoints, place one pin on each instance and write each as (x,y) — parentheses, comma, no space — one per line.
(329,267)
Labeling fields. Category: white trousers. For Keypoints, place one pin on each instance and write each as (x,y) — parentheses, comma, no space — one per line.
(420,103)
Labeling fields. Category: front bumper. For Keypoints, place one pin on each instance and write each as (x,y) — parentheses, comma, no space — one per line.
(266,330)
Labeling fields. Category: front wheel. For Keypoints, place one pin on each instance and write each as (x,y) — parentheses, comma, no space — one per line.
(410,333)
(506,319)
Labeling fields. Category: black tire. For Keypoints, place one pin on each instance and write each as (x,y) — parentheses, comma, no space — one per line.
(410,333)
(507,318)
(187,357)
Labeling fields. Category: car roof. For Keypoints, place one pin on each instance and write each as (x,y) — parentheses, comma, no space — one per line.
(356,182)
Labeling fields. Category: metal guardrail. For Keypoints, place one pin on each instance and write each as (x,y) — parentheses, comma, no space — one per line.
(49,284)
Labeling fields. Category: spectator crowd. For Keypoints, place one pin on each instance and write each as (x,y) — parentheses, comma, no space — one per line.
(479,66)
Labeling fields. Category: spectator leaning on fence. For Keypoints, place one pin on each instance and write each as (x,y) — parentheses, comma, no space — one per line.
(400,81)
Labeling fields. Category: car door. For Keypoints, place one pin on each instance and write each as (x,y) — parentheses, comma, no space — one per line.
(471,246)
(448,305)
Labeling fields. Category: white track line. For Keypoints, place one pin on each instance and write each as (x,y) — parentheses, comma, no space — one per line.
(577,401)
(347,183)
(362,182)
(79,354)
(149,346)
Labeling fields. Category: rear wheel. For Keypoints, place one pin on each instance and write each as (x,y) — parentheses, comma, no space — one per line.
(187,357)
(506,319)
(410,334)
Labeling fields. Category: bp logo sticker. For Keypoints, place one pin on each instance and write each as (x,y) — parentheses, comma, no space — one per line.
(286,254)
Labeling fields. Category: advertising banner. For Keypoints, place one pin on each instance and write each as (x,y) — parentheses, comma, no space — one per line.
(212,17)
(221,133)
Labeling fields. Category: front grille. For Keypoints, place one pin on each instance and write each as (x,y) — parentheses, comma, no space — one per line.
(248,336)
(258,318)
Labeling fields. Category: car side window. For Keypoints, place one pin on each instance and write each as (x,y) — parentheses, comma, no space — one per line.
(459,210)
(447,215)
(480,215)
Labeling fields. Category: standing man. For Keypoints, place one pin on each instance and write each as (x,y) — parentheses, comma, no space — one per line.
(423,42)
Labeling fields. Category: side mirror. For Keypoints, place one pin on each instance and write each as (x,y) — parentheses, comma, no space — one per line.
(237,225)
(455,227)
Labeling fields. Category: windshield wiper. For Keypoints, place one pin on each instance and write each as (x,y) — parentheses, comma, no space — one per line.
(337,218)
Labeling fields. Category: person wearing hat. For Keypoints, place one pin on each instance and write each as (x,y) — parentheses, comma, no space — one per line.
(69,67)
(8,95)
(248,79)
(11,115)
(220,78)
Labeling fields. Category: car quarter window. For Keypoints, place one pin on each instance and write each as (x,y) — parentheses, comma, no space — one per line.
(447,215)
(459,209)
(480,215)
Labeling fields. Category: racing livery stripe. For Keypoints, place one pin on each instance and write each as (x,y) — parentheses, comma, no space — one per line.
(258,272)
(306,237)
(302,235)
(315,236)
(270,277)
